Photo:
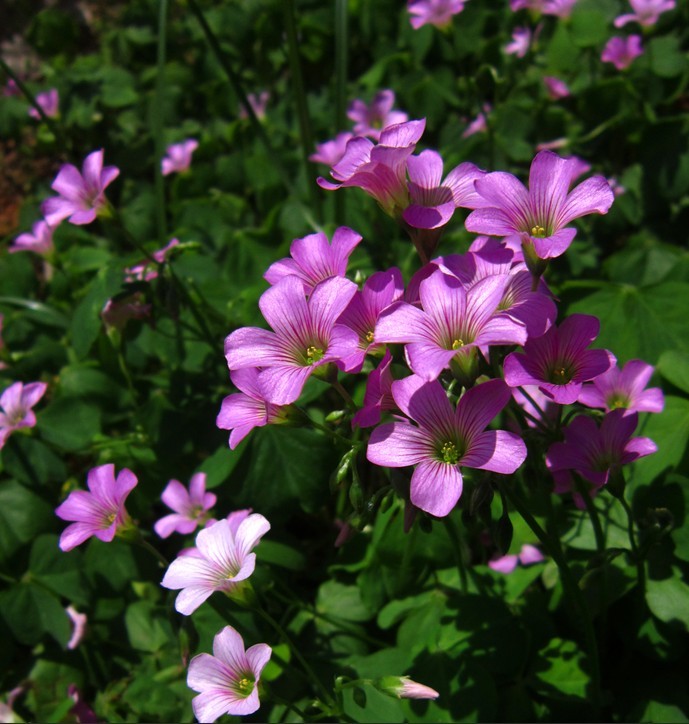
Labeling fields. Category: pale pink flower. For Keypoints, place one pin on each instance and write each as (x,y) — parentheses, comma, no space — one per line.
(480,123)
(79,627)
(330,152)
(646,12)
(527,555)
(402,687)
(39,241)
(556,88)
(190,506)
(521,40)
(372,118)
(49,101)
(433,12)
(16,403)
(178,156)
(258,103)
(147,270)
(622,51)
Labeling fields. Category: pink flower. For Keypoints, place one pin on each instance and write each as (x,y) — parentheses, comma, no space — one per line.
(81,195)
(49,101)
(646,12)
(100,511)
(559,8)
(527,555)
(402,687)
(444,439)
(178,156)
(222,558)
(39,241)
(624,389)
(556,88)
(622,51)
(433,12)
(558,361)
(378,395)
(11,89)
(227,680)
(370,120)
(119,310)
(521,40)
(190,506)
(330,152)
(313,259)
(147,270)
(79,627)
(16,403)
(480,123)
(258,103)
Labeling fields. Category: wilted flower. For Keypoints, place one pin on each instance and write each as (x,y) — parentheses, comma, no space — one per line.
(190,506)
(221,559)
(178,156)
(16,403)
(445,439)
(39,241)
(81,195)
(521,40)
(646,12)
(49,102)
(433,12)
(622,51)
(227,680)
(371,119)
(100,511)
(556,88)
(624,389)
(79,627)
(330,152)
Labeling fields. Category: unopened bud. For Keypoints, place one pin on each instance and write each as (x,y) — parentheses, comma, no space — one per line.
(402,687)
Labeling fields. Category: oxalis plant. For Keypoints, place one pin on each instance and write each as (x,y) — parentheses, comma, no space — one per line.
(477,554)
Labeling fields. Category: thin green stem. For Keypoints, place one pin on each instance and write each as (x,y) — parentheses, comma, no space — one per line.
(458,550)
(337,385)
(143,543)
(636,554)
(157,122)
(585,493)
(552,546)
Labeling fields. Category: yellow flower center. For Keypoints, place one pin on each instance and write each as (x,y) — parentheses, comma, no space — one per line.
(369,337)
(245,686)
(457,343)
(538,231)
(560,376)
(314,354)
(449,453)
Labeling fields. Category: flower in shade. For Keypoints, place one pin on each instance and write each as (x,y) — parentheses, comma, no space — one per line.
(453,320)
(99,512)
(16,404)
(330,152)
(147,270)
(541,214)
(402,687)
(379,169)
(527,555)
(79,627)
(378,395)
(49,102)
(617,188)
(178,157)
(313,259)
(622,51)
(191,506)
(242,411)
(646,12)
(433,200)
(258,103)
(556,88)
(445,439)
(558,361)
(559,8)
(595,452)
(433,12)
(371,119)
(81,195)
(11,89)
(119,310)
(227,681)
(221,559)
(39,241)
(521,40)
(624,389)
(480,123)
(306,336)
(81,711)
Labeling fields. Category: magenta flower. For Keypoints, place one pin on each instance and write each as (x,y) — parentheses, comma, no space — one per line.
(544,409)
(313,259)
(306,336)
(558,362)
(81,711)
(79,627)
(527,555)
(191,506)
(39,241)
(445,439)
(100,511)
(222,558)
(556,88)
(378,395)
(595,453)
(227,680)
(81,195)
(258,103)
(49,101)
(434,199)
(539,215)
(177,157)
(242,411)
(646,12)
(521,40)
(16,404)
(380,170)
(433,12)
(624,389)
(480,123)
(452,321)
(330,152)
(147,270)
(370,120)
(622,51)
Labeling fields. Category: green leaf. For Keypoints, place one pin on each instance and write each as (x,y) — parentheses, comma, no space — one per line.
(280,554)
(30,612)
(60,572)
(560,674)
(372,706)
(589,28)
(23,515)
(674,366)
(219,466)
(668,598)
(667,57)
(146,631)
(70,423)
(336,599)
